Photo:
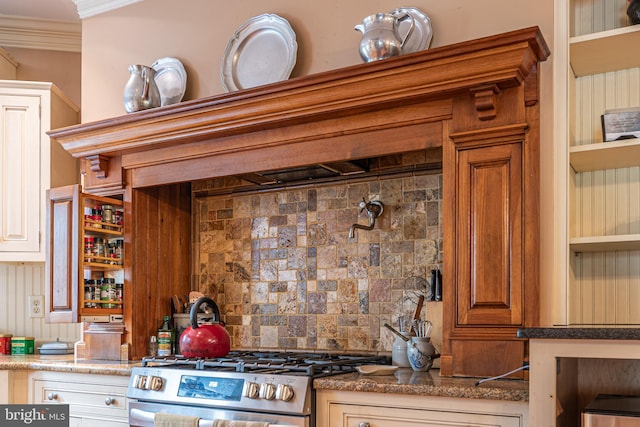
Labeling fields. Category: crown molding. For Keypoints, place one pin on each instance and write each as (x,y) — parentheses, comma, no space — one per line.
(44,34)
(87,8)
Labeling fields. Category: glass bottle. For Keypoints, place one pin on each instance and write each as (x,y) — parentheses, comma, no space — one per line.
(165,337)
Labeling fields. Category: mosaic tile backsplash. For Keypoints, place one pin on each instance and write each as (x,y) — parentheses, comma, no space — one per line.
(285,274)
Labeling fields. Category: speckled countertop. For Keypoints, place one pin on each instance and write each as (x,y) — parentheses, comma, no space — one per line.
(66,363)
(402,381)
(584,333)
(405,381)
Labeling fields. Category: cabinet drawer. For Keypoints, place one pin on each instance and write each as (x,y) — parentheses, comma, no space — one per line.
(375,416)
(91,399)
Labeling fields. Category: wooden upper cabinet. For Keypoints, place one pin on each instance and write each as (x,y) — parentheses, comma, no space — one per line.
(61,267)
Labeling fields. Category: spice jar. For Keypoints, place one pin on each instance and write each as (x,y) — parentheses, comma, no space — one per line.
(107,214)
(89,248)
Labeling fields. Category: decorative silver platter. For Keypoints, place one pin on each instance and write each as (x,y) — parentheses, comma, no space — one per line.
(171,79)
(420,39)
(263,50)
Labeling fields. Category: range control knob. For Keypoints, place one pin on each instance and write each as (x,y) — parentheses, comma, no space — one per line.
(267,391)
(284,392)
(140,382)
(251,390)
(155,383)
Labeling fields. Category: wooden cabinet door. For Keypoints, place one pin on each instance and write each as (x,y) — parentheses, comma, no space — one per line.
(61,268)
(489,244)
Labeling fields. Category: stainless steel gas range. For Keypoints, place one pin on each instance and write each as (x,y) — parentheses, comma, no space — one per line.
(274,388)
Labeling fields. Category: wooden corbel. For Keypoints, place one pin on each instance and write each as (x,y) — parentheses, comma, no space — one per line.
(99,164)
(486,101)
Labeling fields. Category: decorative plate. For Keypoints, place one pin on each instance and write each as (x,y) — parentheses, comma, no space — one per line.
(263,50)
(420,39)
(171,79)
(376,369)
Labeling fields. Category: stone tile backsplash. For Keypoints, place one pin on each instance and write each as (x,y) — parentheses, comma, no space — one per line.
(285,274)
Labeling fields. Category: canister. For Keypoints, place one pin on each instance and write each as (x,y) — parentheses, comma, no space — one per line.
(5,343)
(22,345)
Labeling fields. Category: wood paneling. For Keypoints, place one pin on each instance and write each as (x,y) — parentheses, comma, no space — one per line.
(157,258)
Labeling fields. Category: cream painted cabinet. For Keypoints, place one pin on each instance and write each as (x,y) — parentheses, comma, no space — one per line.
(13,387)
(30,163)
(359,409)
(93,399)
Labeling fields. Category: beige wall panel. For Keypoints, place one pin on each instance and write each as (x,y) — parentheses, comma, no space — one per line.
(17,282)
(61,68)
(197,31)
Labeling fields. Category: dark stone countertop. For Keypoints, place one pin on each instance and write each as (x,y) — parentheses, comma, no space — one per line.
(581,332)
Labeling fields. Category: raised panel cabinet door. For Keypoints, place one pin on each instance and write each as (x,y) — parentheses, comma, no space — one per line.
(489,226)
(61,268)
(20,208)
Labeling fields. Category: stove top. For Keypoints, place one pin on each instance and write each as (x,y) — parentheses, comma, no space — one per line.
(272,362)
(261,381)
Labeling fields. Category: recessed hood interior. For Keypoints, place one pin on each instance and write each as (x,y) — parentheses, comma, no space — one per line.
(348,169)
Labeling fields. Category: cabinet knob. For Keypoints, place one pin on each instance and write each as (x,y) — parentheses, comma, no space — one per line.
(52,396)
(364,424)
(109,401)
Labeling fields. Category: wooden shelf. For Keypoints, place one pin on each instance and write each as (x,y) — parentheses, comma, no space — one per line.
(605,155)
(623,242)
(605,51)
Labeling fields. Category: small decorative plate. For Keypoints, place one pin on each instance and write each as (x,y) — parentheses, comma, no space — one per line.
(376,369)
(171,79)
(263,50)
(420,39)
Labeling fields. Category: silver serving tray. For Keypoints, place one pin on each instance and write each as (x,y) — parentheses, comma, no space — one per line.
(263,50)
(420,39)
(171,79)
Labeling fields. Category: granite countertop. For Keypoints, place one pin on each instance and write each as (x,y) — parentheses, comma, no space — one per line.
(580,332)
(66,363)
(405,381)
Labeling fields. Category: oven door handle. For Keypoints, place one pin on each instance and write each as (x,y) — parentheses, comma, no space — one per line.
(148,417)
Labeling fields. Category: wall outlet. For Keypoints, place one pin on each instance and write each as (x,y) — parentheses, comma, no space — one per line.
(36,306)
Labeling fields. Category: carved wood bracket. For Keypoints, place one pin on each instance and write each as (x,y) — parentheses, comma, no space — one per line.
(486,101)
(99,165)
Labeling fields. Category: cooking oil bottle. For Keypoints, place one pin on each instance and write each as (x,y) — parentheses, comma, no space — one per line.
(165,337)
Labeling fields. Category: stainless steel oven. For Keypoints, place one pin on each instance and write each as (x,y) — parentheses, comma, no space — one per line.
(274,388)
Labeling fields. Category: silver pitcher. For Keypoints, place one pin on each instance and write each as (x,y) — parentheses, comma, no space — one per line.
(380,36)
(141,91)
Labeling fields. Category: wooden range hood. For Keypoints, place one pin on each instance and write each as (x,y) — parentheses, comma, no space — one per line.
(463,99)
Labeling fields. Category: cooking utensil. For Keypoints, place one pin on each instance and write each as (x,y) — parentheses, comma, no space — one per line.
(205,341)
(392,329)
(178,307)
(418,312)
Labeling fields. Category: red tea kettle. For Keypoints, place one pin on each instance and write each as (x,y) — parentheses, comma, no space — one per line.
(205,341)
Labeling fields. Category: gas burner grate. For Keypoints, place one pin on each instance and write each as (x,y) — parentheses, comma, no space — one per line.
(307,364)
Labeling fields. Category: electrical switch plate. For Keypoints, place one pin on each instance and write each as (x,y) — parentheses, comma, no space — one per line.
(36,306)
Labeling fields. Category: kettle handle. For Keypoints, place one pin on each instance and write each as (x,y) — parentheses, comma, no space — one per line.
(193,314)
(413,23)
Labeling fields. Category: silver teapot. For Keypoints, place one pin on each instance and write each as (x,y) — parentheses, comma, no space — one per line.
(380,36)
(141,91)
